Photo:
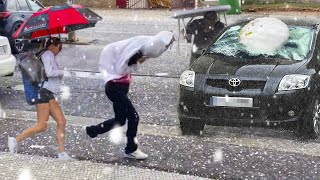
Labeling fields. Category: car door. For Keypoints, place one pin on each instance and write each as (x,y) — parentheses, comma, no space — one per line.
(21,13)
(316,56)
(24,9)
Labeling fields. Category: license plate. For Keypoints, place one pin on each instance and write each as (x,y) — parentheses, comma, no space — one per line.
(231,101)
(2,50)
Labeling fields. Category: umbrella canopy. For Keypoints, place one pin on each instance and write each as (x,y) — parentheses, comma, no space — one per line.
(56,20)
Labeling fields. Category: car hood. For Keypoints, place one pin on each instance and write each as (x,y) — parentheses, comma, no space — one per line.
(258,68)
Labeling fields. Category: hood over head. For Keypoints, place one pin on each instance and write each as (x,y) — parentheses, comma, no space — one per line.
(114,58)
(157,44)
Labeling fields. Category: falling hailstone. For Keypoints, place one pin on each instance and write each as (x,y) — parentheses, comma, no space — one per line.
(2,113)
(268,123)
(135,18)
(194,48)
(218,155)
(65,92)
(25,174)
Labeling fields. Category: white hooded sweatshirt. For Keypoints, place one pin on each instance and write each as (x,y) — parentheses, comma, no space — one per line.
(114,58)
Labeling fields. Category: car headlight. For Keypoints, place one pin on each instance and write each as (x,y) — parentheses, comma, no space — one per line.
(293,81)
(187,78)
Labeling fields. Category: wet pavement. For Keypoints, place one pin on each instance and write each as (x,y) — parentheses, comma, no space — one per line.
(222,152)
(181,154)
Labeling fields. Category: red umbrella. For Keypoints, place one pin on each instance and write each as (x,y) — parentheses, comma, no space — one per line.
(56,20)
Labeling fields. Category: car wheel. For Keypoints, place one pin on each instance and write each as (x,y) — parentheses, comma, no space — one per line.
(310,122)
(17,46)
(191,127)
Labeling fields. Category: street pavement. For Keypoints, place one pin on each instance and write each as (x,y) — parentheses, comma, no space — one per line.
(220,153)
(211,156)
(27,167)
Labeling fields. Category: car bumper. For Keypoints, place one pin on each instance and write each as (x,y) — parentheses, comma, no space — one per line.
(7,65)
(280,107)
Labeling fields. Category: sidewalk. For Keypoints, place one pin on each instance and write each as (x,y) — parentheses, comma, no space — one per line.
(27,167)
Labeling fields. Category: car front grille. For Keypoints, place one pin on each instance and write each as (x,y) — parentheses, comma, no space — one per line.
(245,84)
(234,113)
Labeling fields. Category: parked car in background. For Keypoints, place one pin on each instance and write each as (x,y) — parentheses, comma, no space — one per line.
(12,15)
(7,60)
(229,85)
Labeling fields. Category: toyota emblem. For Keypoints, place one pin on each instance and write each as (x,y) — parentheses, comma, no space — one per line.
(234,82)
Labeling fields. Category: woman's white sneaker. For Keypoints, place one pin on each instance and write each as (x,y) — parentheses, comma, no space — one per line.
(138,154)
(13,145)
(64,156)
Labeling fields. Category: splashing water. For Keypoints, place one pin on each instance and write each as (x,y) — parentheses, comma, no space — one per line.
(218,156)
(117,135)
(25,174)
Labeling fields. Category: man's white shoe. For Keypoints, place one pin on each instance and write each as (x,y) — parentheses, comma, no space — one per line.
(64,156)
(13,145)
(138,154)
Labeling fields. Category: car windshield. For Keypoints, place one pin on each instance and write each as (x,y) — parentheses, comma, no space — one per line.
(296,48)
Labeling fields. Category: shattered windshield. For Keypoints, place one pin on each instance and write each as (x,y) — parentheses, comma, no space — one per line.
(296,48)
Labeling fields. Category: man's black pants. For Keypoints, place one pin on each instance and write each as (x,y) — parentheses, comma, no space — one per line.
(123,110)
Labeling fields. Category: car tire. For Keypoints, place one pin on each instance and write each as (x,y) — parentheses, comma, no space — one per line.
(191,127)
(309,125)
(17,46)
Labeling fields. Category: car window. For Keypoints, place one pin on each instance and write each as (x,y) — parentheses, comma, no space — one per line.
(34,6)
(11,5)
(23,5)
(2,5)
(297,47)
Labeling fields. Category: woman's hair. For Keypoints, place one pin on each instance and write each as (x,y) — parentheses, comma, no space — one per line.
(54,40)
(45,44)
(135,58)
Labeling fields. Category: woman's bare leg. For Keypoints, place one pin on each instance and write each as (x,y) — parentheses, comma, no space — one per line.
(41,126)
(57,114)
